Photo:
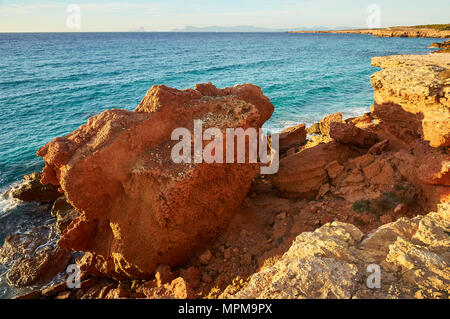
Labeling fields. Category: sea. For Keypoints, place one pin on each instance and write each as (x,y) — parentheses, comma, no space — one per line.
(51,83)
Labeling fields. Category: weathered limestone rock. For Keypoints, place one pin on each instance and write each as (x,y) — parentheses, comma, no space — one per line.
(332,262)
(31,189)
(412,95)
(39,269)
(444,47)
(64,213)
(327,120)
(397,32)
(24,244)
(313,129)
(138,208)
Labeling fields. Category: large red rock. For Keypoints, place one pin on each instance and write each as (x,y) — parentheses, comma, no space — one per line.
(138,208)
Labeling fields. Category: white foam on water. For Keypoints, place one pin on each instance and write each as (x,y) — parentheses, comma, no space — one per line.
(7,204)
(308,120)
(357,111)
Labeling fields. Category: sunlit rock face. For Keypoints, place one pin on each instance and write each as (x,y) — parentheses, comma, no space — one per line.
(338,261)
(138,208)
(412,95)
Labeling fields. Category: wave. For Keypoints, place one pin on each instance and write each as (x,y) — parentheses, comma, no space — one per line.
(357,111)
(7,202)
(230,66)
(320,90)
(17,82)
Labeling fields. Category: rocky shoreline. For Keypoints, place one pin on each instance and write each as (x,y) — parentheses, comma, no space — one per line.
(392,32)
(349,193)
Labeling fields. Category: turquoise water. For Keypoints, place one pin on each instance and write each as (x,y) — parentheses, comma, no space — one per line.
(52,83)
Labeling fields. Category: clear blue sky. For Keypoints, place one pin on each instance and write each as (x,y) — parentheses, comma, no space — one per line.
(100,15)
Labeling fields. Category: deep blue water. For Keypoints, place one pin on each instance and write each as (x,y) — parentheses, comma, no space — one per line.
(52,83)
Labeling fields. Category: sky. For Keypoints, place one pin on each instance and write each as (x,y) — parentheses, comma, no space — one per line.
(158,15)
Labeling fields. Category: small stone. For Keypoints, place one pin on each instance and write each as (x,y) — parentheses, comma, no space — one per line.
(316,223)
(206,278)
(367,218)
(244,233)
(64,213)
(246,260)
(205,257)
(386,219)
(193,277)
(334,169)
(38,269)
(401,209)
(323,190)
(63,295)
(326,219)
(227,253)
(181,289)
(163,275)
(55,289)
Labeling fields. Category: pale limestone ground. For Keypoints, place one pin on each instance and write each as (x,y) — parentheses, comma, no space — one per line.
(331,262)
(408,32)
(414,76)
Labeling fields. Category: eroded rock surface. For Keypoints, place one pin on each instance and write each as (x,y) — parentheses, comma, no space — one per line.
(393,32)
(303,173)
(348,133)
(412,95)
(293,136)
(31,189)
(39,268)
(138,208)
(64,213)
(332,262)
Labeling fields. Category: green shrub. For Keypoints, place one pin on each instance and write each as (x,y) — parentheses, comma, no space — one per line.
(387,201)
(361,206)
(441,27)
